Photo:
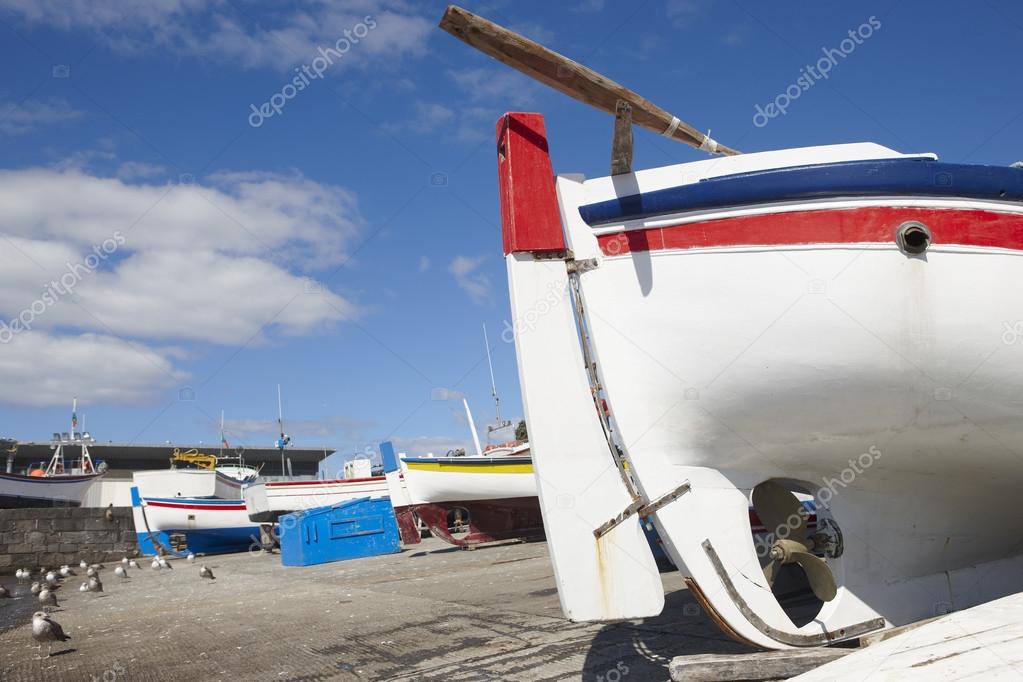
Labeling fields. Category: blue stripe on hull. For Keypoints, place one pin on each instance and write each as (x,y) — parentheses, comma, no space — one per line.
(206,541)
(889,177)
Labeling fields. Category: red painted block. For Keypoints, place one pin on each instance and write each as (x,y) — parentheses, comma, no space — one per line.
(529,205)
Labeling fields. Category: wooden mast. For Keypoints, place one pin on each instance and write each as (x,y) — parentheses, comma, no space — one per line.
(569,77)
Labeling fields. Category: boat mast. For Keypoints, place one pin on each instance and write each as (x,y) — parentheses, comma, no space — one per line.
(493,391)
(221,432)
(284,439)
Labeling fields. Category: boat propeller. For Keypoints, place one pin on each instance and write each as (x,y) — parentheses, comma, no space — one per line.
(785,518)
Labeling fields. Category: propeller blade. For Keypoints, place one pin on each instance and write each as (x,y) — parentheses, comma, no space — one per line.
(819,575)
(778,508)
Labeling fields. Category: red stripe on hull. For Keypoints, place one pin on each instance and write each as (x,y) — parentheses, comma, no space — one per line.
(208,507)
(335,481)
(964,227)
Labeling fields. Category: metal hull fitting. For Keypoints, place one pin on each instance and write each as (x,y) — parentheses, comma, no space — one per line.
(798,342)
(497,494)
(18,491)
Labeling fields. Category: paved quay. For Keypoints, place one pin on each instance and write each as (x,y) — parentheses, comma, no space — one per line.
(430,613)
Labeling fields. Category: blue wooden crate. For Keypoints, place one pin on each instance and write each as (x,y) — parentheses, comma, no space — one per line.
(348,530)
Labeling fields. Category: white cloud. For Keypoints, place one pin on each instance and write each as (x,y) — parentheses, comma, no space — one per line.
(446,394)
(683,13)
(476,284)
(87,259)
(424,264)
(418,446)
(302,431)
(287,217)
(495,84)
(590,6)
(40,370)
(30,115)
(136,170)
(279,38)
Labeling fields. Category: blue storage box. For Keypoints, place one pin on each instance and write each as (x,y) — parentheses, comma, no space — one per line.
(347,530)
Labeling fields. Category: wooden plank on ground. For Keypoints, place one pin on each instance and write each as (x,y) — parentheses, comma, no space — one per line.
(762,665)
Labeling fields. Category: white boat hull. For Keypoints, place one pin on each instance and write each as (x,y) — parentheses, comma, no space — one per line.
(877,381)
(270,499)
(18,491)
(429,486)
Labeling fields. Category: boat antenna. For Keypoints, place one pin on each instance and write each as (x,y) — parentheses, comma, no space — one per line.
(283,441)
(472,427)
(493,389)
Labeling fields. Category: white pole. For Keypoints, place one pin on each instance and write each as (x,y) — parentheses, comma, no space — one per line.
(472,427)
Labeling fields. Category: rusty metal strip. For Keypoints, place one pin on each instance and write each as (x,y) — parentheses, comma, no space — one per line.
(715,616)
(826,637)
(641,508)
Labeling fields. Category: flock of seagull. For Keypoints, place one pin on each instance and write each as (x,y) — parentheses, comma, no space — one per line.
(45,630)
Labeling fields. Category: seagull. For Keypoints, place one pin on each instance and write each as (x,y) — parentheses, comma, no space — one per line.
(95,585)
(82,565)
(124,561)
(156,565)
(66,571)
(191,557)
(4,594)
(120,572)
(90,572)
(164,563)
(47,598)
(51,578)
(98,567)
(133,564)
(206,573)
(21,574)
(36,588)
(84,587)
(45,629)
(109,513)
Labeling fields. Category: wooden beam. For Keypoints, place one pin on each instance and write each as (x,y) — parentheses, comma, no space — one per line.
(621,145)
(762,665)
(569,77)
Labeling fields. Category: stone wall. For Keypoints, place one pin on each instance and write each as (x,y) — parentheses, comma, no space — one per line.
(30,538)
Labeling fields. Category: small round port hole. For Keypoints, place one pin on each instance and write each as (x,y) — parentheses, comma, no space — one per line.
(913,237)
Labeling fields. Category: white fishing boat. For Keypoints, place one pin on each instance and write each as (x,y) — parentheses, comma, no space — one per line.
(269,499)
(194,506)
(192,524)
(60,482)
(699,337)
(483,497)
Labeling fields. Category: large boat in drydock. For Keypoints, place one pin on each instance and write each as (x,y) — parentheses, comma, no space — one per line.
(60,482)
(197,508)
(482,498)
(823,320)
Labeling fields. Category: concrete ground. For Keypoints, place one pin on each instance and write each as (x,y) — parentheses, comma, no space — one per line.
(430,613)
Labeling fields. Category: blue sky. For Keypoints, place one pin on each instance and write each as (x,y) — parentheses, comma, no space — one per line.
(348,247)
